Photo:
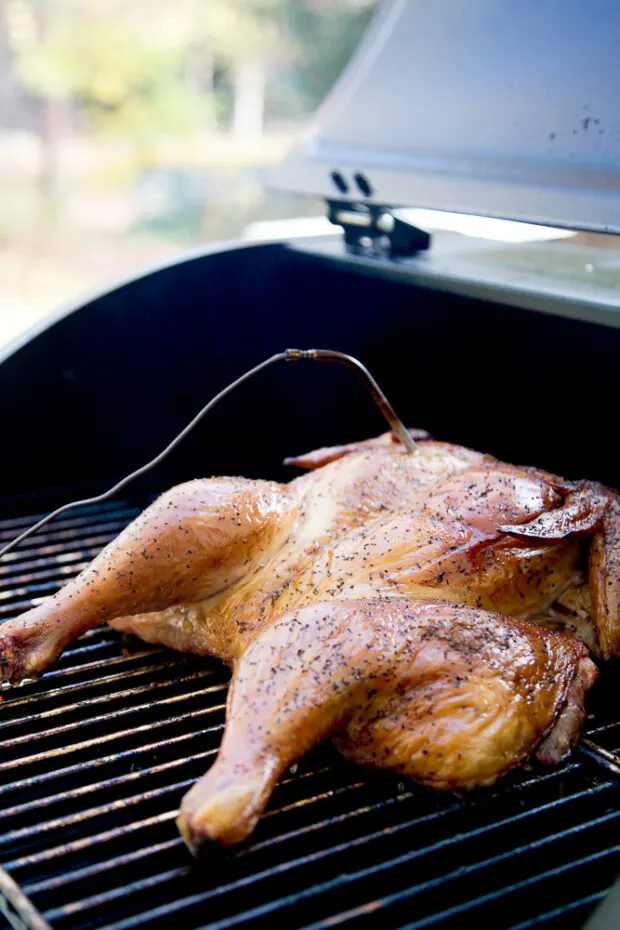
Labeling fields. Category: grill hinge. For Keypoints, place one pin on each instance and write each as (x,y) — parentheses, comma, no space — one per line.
(375,231)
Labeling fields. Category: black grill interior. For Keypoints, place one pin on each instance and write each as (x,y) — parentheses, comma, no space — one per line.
(96,756)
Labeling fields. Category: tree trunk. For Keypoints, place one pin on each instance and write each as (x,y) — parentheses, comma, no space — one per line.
(200,79)
(51,125)
(249,107)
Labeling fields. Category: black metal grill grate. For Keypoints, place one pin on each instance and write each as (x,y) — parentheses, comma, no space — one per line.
(95,758)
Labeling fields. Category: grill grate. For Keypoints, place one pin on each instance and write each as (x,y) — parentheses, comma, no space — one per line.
(96,757)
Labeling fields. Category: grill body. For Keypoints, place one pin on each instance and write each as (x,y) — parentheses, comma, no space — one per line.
(96,756)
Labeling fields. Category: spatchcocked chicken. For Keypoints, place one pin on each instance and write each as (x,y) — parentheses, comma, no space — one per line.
(380,599)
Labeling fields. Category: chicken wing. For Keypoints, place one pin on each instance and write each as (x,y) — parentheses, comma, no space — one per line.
(605,581)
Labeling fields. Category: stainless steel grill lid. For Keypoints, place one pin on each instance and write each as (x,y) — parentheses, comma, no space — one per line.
(490,107)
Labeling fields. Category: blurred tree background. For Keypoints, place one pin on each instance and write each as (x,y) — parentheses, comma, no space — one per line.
(130,128)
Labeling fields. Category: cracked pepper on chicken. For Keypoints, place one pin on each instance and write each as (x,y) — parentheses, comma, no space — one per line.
(380,599)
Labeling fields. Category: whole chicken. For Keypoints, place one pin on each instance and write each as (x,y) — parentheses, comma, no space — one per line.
(373,600)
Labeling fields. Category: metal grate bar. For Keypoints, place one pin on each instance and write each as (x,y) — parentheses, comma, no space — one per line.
(75,727)
(602,756)
(120,861)
(106,836)
(55,533)
(153,881)
(90,788)
(120,734)
(340,848)
(83,844)
(117,862)
(28,860)
(158,879)
(605,728)
(81,767)
(13,525)
(98,537)
(43,567)
(331,822)
(77,687)
(373,907)
(91,812)
(332,793)
(59,550)
(102,663)
(509,889)
(561,912)
(115,696)
(86,648)
(341,818)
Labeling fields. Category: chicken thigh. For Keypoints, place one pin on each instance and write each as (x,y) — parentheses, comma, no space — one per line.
(449,696)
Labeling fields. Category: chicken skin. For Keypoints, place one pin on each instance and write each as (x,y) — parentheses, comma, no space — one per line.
(449,696)
(360,563)
(223,538)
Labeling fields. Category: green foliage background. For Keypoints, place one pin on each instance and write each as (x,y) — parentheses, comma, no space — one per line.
(143,67)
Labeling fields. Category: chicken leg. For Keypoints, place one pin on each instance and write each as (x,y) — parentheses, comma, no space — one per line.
(449,696)
(193,542)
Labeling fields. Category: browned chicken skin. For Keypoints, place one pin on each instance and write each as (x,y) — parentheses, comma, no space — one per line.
(353,563)
(223,536)
(450,696)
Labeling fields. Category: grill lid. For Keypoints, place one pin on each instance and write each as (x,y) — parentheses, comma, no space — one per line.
(490,107)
